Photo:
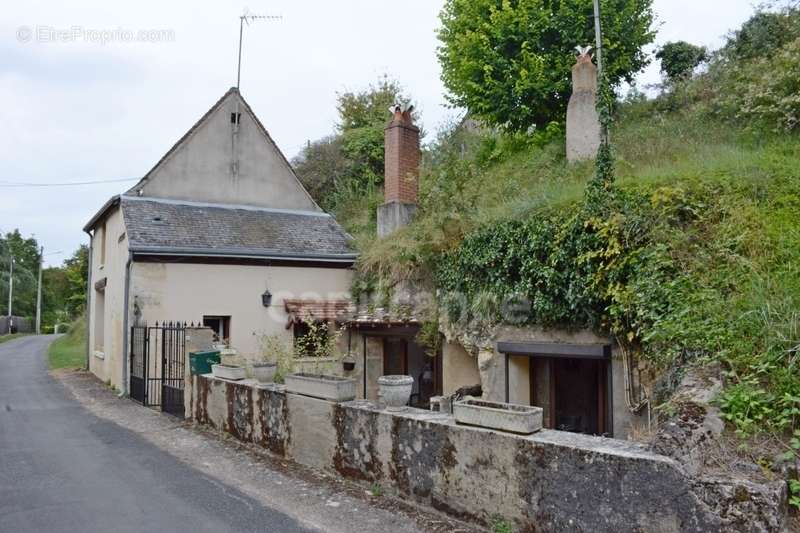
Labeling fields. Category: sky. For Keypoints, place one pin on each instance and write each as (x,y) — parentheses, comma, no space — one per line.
(100,89)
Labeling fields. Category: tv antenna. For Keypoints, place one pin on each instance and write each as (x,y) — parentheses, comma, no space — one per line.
(246,18)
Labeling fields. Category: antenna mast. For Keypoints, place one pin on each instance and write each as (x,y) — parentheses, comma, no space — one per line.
(246,17)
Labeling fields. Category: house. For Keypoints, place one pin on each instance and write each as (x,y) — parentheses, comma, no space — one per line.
(220,232)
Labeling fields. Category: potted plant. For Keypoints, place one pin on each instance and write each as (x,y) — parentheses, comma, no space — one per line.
(395,391)
(348,363)
(264,371)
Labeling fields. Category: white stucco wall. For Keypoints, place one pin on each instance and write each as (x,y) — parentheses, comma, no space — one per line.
(459,368)
(200,169)
(107,364)
(187,292)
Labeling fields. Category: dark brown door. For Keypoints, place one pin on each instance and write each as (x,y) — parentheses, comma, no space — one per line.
(576,393)
(395,356)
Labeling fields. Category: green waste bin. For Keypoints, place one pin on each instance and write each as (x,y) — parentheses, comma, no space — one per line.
(200,362)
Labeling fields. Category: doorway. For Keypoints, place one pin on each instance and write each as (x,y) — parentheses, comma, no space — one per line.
(573,392)
(579,395)
(403,356)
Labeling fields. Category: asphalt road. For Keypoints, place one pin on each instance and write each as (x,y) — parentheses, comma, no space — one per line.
(63,469)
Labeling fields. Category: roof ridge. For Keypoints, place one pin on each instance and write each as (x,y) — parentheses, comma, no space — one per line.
(243,207)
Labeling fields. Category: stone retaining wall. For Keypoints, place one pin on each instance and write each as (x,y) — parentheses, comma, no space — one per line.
(548,481)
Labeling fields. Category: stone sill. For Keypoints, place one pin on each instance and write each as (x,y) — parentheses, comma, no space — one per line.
(99,354)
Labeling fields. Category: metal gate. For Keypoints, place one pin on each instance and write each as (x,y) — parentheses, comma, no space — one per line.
(157,364)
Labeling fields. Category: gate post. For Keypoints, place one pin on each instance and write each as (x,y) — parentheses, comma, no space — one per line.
(198,339)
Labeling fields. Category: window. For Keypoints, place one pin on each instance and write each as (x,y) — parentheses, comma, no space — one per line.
(99,320)
(312,339)
(102,236)
(221,325)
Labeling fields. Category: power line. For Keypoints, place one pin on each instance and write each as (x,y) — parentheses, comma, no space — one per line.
(4,183)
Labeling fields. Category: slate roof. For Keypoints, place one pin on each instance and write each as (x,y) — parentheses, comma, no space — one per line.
(159,226)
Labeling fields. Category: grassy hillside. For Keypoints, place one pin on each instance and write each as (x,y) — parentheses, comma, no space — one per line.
(69,351)
(691,257)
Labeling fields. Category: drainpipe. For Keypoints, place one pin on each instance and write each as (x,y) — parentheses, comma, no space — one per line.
(125,348)
(89,301)
(635,402)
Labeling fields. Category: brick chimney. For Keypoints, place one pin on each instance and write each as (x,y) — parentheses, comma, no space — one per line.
(401,171)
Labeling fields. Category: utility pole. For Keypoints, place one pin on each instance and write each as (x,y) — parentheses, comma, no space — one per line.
(39,294)
(10,285)
(598,36)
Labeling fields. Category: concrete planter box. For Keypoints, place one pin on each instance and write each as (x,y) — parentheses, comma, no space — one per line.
(228,372)
(333,388)
(509,417)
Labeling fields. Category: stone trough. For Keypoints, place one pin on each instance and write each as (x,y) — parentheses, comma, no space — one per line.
(232,372)
(509,417)
(333,388)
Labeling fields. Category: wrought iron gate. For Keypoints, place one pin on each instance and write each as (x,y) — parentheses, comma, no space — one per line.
(157,364)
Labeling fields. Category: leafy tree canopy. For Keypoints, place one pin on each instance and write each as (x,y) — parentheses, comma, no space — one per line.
(25,252)
(63,287)
(509,61)
(764,33)
(679,59)
(350,162)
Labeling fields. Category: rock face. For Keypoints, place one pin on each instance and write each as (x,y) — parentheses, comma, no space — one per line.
(583,122)
(691,431)
(739,493)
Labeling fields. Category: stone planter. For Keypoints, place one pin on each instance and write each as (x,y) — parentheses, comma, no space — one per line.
(265,372)
(394,391)
(228,372)
(441,404)
(333,388)
(496,415)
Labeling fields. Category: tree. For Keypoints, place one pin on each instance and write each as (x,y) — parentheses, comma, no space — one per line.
(362,119)
(25,252)
(679,59)
(350,161)
(322,166)
(509,61)
(76,269)
(764,34)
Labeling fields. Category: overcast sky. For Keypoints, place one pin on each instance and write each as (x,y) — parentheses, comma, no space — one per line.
(76,108)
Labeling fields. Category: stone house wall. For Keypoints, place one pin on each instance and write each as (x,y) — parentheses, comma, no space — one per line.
(460,368)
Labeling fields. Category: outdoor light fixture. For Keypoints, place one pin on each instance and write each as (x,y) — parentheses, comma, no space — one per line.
(266,298)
